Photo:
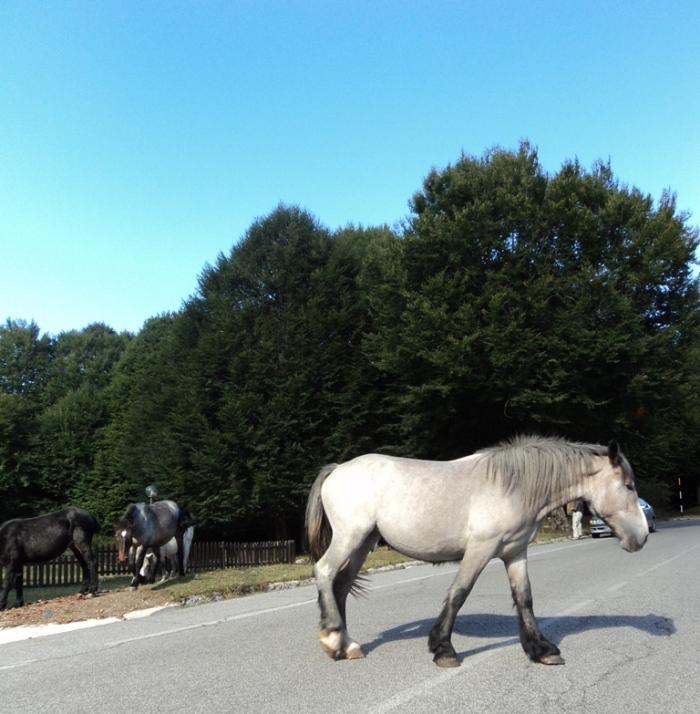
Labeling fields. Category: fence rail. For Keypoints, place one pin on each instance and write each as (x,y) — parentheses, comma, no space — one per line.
(65,569)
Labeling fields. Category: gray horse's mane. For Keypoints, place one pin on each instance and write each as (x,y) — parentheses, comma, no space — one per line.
(539,466)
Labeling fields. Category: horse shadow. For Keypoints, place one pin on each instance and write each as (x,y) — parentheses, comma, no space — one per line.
(489,626)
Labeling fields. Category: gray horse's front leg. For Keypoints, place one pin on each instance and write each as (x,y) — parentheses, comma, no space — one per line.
(158,561)
(440,638)
(138,564)
(536,647)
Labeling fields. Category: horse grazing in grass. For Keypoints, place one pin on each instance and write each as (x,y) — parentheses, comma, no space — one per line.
(37,540)
(149,526)
(487,505)
(168,552)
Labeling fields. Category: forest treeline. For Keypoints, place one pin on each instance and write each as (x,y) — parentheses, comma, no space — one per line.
(510,300)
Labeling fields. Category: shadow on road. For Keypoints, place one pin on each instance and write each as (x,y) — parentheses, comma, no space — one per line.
(485,626)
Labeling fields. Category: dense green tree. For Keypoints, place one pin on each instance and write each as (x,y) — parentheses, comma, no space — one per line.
(25,356)
(16,497)
(279,325)
(52,407)
(560,303)
(134,446)
(24,363)
(66,443)
(84,357)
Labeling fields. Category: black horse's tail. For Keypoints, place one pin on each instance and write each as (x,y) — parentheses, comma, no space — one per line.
(318,528)
(96,525)
(85,520)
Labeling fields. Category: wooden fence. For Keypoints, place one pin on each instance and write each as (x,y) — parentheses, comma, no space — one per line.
(65,570)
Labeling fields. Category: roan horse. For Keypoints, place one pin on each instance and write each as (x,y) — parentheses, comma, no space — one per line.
(168,552)
(37,540)
(148,526)
(487,505)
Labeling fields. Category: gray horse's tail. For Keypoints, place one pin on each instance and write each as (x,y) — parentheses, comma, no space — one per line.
(318,528)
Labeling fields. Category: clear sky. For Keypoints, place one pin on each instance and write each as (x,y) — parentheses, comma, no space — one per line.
(138,140)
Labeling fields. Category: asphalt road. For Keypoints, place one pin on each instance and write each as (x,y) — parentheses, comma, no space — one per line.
(628,626)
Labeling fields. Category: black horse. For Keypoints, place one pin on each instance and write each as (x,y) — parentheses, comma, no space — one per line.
(37,540)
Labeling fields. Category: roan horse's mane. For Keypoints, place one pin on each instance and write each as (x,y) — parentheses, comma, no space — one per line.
(538,466)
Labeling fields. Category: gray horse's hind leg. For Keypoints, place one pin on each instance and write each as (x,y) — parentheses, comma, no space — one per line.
(536,647)
(335,574)
(180,559)
(170,569)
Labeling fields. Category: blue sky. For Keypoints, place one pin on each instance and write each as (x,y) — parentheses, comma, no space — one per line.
(138,140)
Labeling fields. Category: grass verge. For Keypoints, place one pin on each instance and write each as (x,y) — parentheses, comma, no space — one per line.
(232,582)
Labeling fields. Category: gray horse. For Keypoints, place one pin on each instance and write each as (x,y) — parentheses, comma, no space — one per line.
(147,526)
(484,506)
(168,552)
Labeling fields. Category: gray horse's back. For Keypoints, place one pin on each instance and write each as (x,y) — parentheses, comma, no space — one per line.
(166,514)
(421,508)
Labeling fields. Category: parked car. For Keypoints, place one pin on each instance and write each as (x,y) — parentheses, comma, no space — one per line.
(599,527)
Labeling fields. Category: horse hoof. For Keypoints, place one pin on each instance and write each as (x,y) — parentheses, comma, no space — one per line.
(330,643)
(552,659)
(353,651)
(446,662)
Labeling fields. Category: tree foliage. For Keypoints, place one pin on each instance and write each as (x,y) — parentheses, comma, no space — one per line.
(532,302)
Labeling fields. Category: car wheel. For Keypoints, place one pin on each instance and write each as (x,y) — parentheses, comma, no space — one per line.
(652,526)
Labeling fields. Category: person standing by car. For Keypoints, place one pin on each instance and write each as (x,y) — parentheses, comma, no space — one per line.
(576,518)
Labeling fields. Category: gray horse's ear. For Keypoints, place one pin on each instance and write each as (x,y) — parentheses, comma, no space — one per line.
(613,452)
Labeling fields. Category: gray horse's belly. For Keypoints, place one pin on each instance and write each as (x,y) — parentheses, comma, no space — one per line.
(434,545)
